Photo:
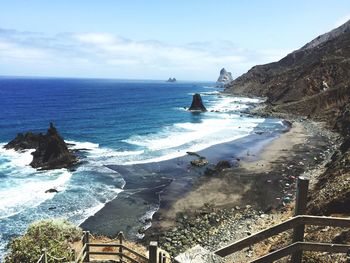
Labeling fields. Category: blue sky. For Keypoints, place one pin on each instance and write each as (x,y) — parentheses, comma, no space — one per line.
(190,40)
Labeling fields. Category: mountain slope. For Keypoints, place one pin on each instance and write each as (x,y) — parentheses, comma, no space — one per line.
(312,81)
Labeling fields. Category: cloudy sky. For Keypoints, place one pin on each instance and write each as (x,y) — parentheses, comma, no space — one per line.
(190,40)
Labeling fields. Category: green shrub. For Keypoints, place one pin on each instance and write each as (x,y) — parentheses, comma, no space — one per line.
(54,235)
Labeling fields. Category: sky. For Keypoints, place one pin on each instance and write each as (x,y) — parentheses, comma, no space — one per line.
(154,39)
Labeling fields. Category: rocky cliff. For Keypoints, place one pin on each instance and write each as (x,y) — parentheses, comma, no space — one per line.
(51,151)
(225,77)
(314,82)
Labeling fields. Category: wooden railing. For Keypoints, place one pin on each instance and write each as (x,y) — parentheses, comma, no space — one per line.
(297,223)
(296,247)
(122,253)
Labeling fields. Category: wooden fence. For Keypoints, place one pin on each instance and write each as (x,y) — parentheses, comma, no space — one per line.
(297,223)
(122,253)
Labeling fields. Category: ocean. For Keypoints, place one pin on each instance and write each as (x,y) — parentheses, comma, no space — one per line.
(112,122)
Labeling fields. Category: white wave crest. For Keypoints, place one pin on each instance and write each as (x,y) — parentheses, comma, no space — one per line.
(30,192)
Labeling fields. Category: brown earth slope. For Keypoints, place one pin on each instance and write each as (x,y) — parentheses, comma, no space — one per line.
(313,82)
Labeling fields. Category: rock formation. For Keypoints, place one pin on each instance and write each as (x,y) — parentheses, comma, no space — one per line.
(51,151)
(197,103)
(219,167)
(199,162)
(171,80)
(312,81)
(225,77)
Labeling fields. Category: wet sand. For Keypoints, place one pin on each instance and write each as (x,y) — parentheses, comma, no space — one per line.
(263,174)
(264,178)
(234,186)
(175,185)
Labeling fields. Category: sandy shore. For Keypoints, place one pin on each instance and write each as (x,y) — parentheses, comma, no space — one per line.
(162,184)
(262,182)
(230,187)
(281,147)
(262,178)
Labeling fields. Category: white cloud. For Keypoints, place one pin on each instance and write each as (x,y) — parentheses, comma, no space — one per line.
(10,50)
(106,55)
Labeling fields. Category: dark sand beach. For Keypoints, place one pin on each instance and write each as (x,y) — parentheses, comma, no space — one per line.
(160,185)
(167,188)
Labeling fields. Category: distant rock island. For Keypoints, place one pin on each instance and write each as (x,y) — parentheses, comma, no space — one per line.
(51,151)
(171,80)
(197,103)
(225,76)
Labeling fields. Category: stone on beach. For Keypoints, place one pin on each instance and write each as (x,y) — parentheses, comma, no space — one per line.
(51,190)
(199,162)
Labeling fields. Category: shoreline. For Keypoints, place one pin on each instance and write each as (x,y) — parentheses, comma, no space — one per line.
(231,186)
(257,189)
(151,184)
(277,165)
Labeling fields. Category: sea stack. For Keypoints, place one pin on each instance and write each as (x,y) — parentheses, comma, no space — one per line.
(197,103)
(225,77)
(171,80)
(51,151)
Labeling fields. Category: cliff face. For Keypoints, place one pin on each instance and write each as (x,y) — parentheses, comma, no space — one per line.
(312,81)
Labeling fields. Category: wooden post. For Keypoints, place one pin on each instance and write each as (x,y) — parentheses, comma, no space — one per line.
(121,237)
(73,255)
(300,209)
(45,256)
(161,257)
(86,240)
(153,248)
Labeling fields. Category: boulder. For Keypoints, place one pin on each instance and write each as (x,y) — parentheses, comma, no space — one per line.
(51,151)
(194,154)
(221,165)
(199,162)
(197,103)
(51,190)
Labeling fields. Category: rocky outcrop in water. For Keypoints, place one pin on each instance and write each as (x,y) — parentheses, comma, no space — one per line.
(171,80)
(51,151)
(25,141)
(225,77)
(197,103)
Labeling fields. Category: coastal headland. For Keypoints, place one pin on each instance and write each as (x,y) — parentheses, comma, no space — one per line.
(261,180)
(310,88)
